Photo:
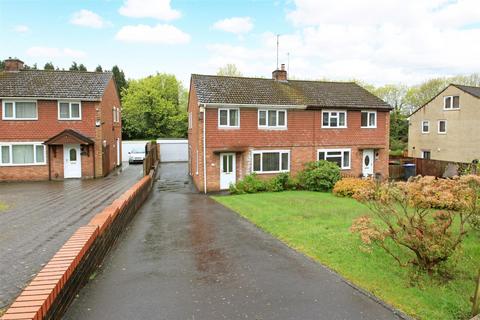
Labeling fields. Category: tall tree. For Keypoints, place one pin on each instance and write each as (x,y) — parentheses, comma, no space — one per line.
(151,108)
(81,67)
(119,78)
(49,66)
(2,65)
(74,66)
(99,68)
(393,94)
(229,70)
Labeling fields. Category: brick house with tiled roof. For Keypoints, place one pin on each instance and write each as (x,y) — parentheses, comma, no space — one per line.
(242,125)
(57,124)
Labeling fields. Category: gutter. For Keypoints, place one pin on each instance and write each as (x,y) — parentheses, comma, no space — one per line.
(249,105)
(204,151)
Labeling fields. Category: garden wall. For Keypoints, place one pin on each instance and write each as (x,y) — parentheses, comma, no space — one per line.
(52,290)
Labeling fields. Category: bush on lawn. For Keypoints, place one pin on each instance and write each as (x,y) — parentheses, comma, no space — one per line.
(348,187)
(281,182)
(250,184)
(424,236)
(319,176)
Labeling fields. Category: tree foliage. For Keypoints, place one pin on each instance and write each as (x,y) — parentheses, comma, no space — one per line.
(422,221)
(119,77)
(2,65)
(49,66)
(229,70)
(151,108)
(99,68)
(319,176)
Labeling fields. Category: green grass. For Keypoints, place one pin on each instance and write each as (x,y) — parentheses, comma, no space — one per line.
(317,224)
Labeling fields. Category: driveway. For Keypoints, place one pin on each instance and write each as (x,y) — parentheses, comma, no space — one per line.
(187,257)
(43,215)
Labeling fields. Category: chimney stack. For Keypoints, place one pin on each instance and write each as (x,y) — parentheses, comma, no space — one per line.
(13,65)
(280,75)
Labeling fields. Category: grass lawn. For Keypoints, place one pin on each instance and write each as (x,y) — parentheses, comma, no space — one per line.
(317,224)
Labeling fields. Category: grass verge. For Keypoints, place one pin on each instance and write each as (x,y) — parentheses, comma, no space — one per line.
(317,224)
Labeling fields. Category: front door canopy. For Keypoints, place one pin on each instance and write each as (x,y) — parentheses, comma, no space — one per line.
(69,136)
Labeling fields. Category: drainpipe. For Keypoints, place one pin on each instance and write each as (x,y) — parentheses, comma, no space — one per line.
(204,151)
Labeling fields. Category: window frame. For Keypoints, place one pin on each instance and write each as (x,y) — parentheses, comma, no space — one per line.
(338,118)
(10,151)
(116,114)
(451,108)
(70,102)
(342,150)
(422,126)
(14,118)
(423,154)
(438,127)
(190,118)
(368,126)
(228,126)
(267,126)
(280,152)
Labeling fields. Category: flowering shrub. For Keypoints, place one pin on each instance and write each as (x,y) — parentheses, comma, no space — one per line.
(418,217)
(319,176)
(347,187)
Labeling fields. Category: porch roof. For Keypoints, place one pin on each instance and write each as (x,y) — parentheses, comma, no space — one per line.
(69,136)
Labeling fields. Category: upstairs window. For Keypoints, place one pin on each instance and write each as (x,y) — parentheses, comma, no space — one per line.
(116,114)
(369,119)
(270,161)
(19,110)
(272,119)
(425,126)
(69,110)
(426,154)
(339,156)
(334,119)
(442,126)
(228,118)
(451,102)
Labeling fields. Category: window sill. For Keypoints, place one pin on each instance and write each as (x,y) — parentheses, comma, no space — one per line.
(272,128)
(334,127)
(26,119)
(228,128)
(368,127)
(72,119)
(270,172)
(22,164)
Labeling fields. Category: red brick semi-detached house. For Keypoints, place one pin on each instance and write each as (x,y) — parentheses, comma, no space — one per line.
(242,125)
(57,124)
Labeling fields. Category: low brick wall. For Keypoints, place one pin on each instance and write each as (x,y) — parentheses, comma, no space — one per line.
(52,290)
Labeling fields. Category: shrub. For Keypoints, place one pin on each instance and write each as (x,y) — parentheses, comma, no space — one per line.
(281,182)
(423,236)
(249,184)
(348,187)
(319,176)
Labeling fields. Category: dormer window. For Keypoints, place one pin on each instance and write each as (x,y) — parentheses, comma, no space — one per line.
(451,102)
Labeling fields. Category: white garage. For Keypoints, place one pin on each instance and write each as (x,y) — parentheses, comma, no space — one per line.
(173,150)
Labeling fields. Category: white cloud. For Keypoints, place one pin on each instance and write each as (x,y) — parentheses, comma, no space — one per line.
(236,25)
(52,52)
(87,18)
(158,9)
(21,28)
(159,34)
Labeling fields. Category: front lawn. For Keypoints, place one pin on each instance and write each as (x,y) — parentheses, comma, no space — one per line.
(317,224)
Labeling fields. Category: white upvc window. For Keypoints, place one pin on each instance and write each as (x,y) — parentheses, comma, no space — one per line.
(426,154)
(229,118)
(369,119)
(116,114)
(451,102)
(19,110)
(69,110)
(442,126)
(334,119)
(342,157)
(22,153)
(425,126)
(272,119)
(270,161)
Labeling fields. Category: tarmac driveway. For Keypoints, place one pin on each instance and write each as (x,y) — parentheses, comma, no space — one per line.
(187,257)
(43,215)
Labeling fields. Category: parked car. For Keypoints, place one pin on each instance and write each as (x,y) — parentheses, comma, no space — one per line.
(136,156)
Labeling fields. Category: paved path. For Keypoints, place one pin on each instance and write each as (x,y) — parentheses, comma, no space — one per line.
(43,215)
(187,257)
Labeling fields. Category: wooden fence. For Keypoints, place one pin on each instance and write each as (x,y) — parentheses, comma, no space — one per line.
(151,157)
(426,167)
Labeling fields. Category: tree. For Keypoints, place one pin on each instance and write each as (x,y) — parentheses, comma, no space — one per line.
(119,78)
(49,66)
(81,67)
(392,94)
(2,65)
(99,68)
(74,66)
(229,70)
(151,108)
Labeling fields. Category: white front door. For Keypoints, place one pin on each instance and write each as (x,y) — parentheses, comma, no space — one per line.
(119,160)
(73,164)
(368,159)
(227,170)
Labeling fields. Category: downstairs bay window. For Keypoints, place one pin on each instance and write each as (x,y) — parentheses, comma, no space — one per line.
(22,154)
(339,156)
(271,161)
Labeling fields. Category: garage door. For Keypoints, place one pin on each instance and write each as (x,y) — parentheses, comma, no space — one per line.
(173,150)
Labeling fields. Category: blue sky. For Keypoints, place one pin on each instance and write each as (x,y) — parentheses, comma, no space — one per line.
(379,41)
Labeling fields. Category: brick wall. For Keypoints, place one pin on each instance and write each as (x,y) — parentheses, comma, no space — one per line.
(303,138)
